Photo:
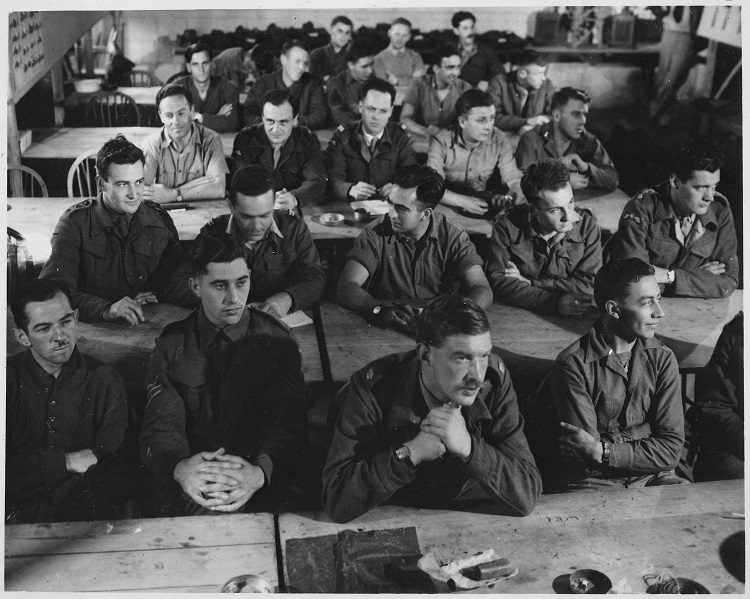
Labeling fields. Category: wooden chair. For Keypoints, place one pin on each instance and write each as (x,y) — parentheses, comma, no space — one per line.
(140,78)
(31,181)
(176,76)
(112,109)
(82,176)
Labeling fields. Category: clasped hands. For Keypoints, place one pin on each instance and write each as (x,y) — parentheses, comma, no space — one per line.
(219,481)
(443,429)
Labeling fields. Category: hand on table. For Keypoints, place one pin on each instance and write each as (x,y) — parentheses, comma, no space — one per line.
(146,297)
(574,304)
(79,462)
(578,445)
(385,190)
(285,200)
(472,205)
(425,447)
(204,471)
(399,317)
(362,191)
(447,423)
(159,193)
(128,309)
(714,267)
(579,181)
(277,305)
(512,271)
(250,478)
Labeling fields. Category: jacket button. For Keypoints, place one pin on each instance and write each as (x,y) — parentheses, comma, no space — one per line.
(51,418)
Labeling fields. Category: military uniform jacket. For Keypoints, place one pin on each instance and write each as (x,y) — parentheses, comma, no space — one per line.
(647,231)
(569,266)
(220,91)
(510,115)
(289,263)
(256,411)
(342,93)
(300,168)
(348,159)
(100,268)
(638,411)
(380,409)
(308,91)
(483,65)
(539,144)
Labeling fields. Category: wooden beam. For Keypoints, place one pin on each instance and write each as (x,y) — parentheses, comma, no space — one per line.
(710,68)
(88,53)
(58,93)
(14,152)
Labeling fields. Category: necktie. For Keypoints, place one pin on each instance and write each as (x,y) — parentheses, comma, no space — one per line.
(121,224)
(373,145)
(276,155)
(686,224)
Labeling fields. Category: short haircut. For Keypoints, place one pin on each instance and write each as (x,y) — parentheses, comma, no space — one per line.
(118,150)
(447,315)
(562,96)
(359,49)
(41,290)
(430,185)
(699,154)
(197,49)
(612,280)
(472,98)
(214,246)
(293,43)
(461,16)
(173,89)
(379,85)
(545,175)
(529,57)
(252,180)
(342,19)
(263,58)
(277,97)
(401,21)
(445,51)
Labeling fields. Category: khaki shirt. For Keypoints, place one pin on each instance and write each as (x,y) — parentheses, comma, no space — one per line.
(428,109)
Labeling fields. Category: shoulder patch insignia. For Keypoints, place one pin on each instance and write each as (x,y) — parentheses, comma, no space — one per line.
(335,97)
(632,216)
(84,204)
(643,192)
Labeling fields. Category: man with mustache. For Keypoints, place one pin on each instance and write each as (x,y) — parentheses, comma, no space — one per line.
(545,254)
(479,64)
(437,426)
(565,138)
(409,255)
(225,425)
(617,389)
(684,228)
(66,413)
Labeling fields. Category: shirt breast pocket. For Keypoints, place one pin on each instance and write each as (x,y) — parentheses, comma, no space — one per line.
(93,267)
(662,249)
(146,255)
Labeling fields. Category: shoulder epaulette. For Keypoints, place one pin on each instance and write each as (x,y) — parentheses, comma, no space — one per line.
(644,192)
(722,199)
(80,205)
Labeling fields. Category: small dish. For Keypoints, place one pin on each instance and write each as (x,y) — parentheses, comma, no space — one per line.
(587,581)
(331,219)
(361,215)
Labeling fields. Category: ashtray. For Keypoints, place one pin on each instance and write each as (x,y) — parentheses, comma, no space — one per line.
(361,215)
(331,219)
(248,583)
(678,586)
(582,581)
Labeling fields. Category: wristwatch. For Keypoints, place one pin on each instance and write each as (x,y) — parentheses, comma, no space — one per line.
(376,310)
(179,196)
(403,454)
(605,453)
(670,276)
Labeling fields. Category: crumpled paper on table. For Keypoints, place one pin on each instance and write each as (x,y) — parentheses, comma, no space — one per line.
(374,207)
(452,571)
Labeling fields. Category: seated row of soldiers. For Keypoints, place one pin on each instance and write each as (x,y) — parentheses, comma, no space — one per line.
(185,160)
(226,419)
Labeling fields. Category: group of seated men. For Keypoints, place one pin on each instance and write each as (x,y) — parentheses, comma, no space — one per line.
(225,423)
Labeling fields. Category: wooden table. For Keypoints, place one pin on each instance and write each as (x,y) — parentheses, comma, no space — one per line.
(527,342)
(189,554)
(622,533)
(128,347)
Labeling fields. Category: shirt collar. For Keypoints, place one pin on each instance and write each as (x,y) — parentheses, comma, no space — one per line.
(274,228)
(207,330)
(431,232)
(393,52)
(598,347)
(42,378)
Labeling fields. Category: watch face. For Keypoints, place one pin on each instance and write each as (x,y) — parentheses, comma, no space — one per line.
(376,310)
(403,453)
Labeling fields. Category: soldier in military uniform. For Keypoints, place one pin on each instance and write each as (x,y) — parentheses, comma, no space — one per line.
(225,426)
(545,254)
(684,228)
(430,429)
(117,251)
(290,153)
(344,89)
(362,156)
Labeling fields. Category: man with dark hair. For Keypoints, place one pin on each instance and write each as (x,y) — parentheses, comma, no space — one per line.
(289,153)
(66,413)
(430,102)
(479,64)
(244,64)
(362,157)
(306,89)
(545,254)
(216,101)
(225,425)
(617,389)
(285,270)
(684,227)
(412,253)
(184,159)
(522,97)
(116,251)
(330,59)
(343,90)
(468,153)
(437,426)
(718,415)
(565,138)
(397,64)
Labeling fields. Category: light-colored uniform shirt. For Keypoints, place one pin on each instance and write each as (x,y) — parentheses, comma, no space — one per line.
(402,64)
